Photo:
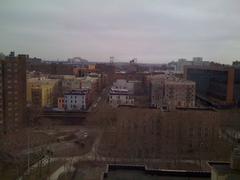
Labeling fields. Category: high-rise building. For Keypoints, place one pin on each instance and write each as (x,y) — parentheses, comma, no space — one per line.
(12,91)
(181,63)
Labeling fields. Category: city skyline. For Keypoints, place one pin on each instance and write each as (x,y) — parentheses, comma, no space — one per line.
(152,31)
(119,89)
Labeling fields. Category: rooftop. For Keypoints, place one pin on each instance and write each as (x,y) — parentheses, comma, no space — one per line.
(77,92)
(221,167)
(42,80)
(143,172)
(216,68)
(116,91)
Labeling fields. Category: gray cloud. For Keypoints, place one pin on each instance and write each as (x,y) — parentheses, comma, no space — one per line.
(152,30)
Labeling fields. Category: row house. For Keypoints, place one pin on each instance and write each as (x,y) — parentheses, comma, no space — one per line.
(75,100)
(118,97)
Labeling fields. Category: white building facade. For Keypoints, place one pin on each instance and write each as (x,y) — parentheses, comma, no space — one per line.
(76,100)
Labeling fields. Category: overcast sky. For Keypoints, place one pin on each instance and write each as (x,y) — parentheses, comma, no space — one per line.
(154,31)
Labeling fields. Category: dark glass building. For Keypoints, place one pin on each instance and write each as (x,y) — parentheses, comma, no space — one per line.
(218,85)
(237,86)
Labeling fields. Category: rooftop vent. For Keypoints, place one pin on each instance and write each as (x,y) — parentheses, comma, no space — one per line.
(235,161)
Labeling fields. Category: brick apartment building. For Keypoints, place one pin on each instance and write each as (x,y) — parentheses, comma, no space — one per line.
(168,92)
(12,92)
(180,93)
(84,71)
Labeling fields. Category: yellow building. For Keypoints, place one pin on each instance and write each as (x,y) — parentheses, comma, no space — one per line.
(40,91)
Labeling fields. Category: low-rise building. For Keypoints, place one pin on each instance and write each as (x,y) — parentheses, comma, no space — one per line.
(70,82)
(119,97)
(61,103)
(84,71)
(89,83)
(124,84)
(76,100)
